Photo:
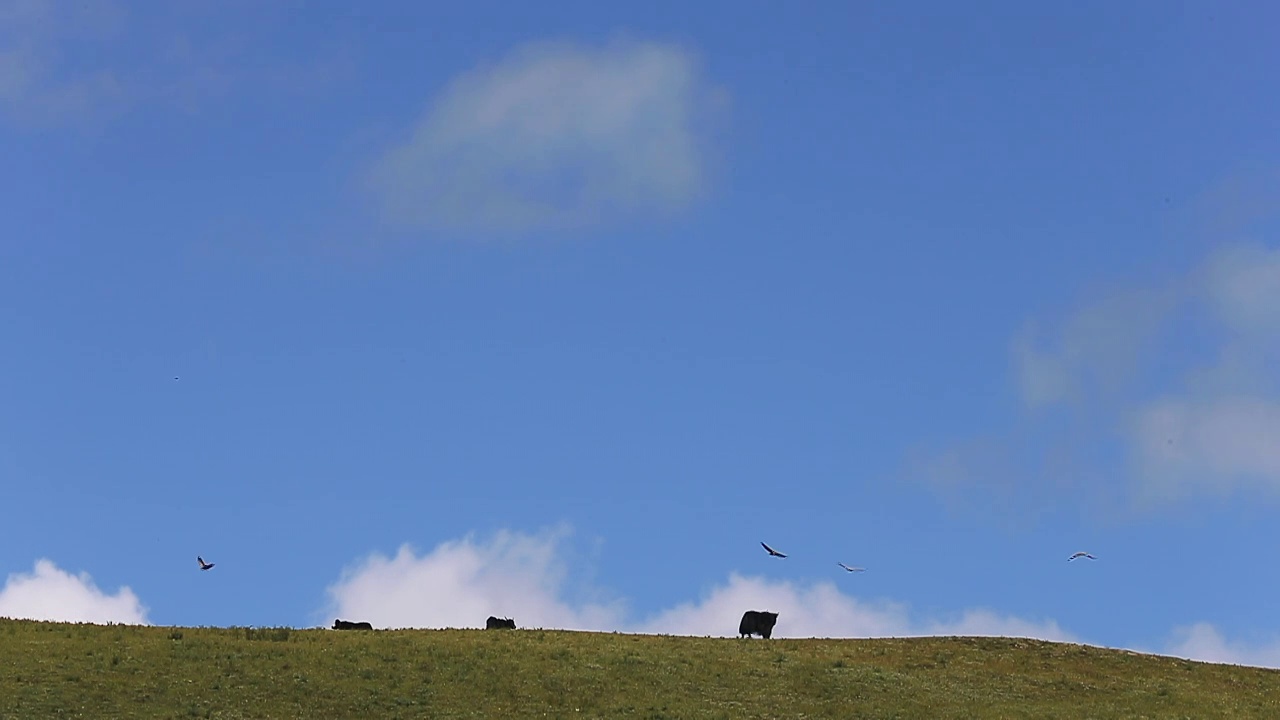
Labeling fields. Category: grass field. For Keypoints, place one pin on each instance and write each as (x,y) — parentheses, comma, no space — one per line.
(59,670)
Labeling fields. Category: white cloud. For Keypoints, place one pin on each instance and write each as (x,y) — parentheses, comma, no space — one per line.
(64,63)
(1183,445)
(49,593)
(1161,393)
(1243,284)
(1221,428)
(1043,377)
(38,83)
(822,610)
(1203,641)
(553,136)
(1099,347)
(461,583)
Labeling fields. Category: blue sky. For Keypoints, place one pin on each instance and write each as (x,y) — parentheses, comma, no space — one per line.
(415,314)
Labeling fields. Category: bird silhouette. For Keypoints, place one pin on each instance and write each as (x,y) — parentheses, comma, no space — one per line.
(1080,555)
(773,552)
(851,569)
(203,565)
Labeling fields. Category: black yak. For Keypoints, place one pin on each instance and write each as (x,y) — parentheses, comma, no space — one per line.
(494,623)
(757,623)
(348,625)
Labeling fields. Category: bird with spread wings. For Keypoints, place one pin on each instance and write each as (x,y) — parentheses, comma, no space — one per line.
(773,552)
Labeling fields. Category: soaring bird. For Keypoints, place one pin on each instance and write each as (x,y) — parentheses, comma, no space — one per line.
(851,569)
(1080,555)
(773,552)
(203,565)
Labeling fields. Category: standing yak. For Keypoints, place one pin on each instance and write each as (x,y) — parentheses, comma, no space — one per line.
(494,623)
(757,623)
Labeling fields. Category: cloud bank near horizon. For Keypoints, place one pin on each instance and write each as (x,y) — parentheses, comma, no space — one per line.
(50,593)
(462,582)
(1202,641)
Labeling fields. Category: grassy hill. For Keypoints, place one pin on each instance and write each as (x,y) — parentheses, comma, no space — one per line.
(94,671)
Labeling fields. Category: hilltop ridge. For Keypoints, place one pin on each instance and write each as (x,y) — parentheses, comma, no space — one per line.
(79,670)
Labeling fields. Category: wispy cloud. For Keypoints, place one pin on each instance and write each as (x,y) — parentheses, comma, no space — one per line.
(555,135)
(49,593)
(39,82)
(1097,350)
(1140,396)
(1243,284)
(1219,428)
(1214,444)
(65,63)
(460,583)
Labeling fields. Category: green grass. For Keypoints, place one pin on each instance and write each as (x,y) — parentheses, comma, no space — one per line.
(56,670)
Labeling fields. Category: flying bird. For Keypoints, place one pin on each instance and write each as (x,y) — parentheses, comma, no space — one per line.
(851,569)
(203,565)
(773,552)
(1080,555)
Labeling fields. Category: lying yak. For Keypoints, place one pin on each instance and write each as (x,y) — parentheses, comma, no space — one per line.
(757,623)
(494,623)
(348,625)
